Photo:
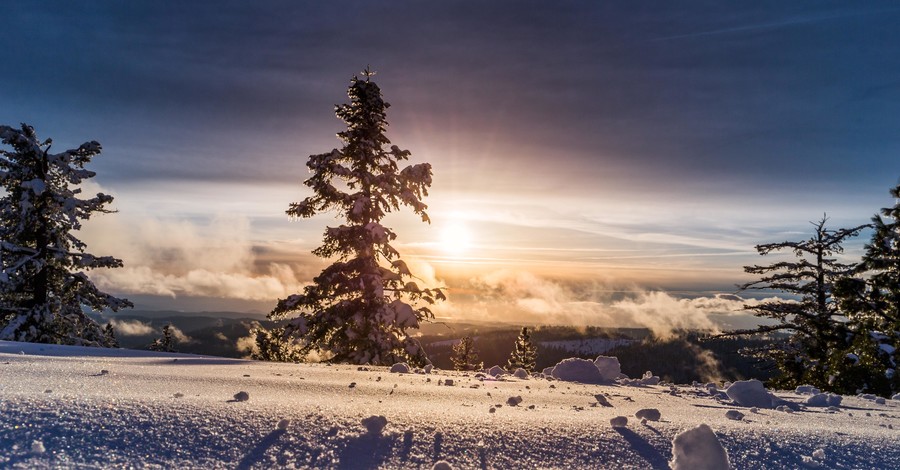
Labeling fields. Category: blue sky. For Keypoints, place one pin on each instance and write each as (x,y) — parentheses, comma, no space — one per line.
(633,146)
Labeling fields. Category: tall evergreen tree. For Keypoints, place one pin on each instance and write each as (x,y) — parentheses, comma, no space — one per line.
(465,356)
(872,302)
(524,353)
(43,286)
(357,309)
(810,315)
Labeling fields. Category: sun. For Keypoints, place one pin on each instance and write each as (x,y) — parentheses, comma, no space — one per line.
(456,239)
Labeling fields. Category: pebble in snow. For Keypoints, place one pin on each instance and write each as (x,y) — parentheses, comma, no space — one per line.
(602,400)
(283,424)
(241,396)
(514,401)
(650,414)
(698,449)
(619,422)
(374,424)
(442,465)
(37,447)
(734,414)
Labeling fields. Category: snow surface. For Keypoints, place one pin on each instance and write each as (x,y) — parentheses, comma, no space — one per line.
(162,410)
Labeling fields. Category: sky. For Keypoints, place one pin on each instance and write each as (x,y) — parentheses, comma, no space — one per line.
(594,162)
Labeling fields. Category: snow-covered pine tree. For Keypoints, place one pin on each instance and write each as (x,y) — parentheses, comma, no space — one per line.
(166,343)
(275,345)
(465,356)
(810,316)
(356,310)
(43,287)
(110,334)
(524,353)
(871,300)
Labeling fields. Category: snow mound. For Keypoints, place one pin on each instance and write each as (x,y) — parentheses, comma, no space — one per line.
(496,371)
(752,393)
(575,369)
(807,390)
(521,373)
(609,367)
(896,397)
(400,368)
(442,465)
(698,449)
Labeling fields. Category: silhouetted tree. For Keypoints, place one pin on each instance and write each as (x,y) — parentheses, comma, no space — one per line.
(110,334)
(465,356)
(166,343)
(871,300)
(358,309)
(524,353)
(43,286)
(813,321)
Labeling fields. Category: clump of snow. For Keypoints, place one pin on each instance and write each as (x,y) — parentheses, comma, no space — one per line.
(283,424)
(750,393)
(819,454)
(521,373)
(514,401)
(650,414)
(698,449)
(880,401)
(824,399)
(496,371)
(649,379)
(807,390)
(442,465)
(784,408)
(241,396)
(619,422)
(734,414)
(609,367)
(547,372)
(429,368)
(896,397)
(575,369)
(400,368)
(374,424)
(37,447)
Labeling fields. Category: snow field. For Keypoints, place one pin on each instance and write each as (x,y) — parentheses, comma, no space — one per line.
(57,410)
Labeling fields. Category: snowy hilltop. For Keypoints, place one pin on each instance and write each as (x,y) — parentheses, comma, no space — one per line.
(75,407)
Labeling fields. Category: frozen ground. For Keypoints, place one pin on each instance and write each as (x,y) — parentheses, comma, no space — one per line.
(58,408)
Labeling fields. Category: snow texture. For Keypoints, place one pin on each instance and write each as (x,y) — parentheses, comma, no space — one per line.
(699,449)
(305,416)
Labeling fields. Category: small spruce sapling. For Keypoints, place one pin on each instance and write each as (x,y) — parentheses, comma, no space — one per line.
(524,353)
(465,356)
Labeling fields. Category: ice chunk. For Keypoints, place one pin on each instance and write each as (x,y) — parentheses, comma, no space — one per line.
(698,449)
